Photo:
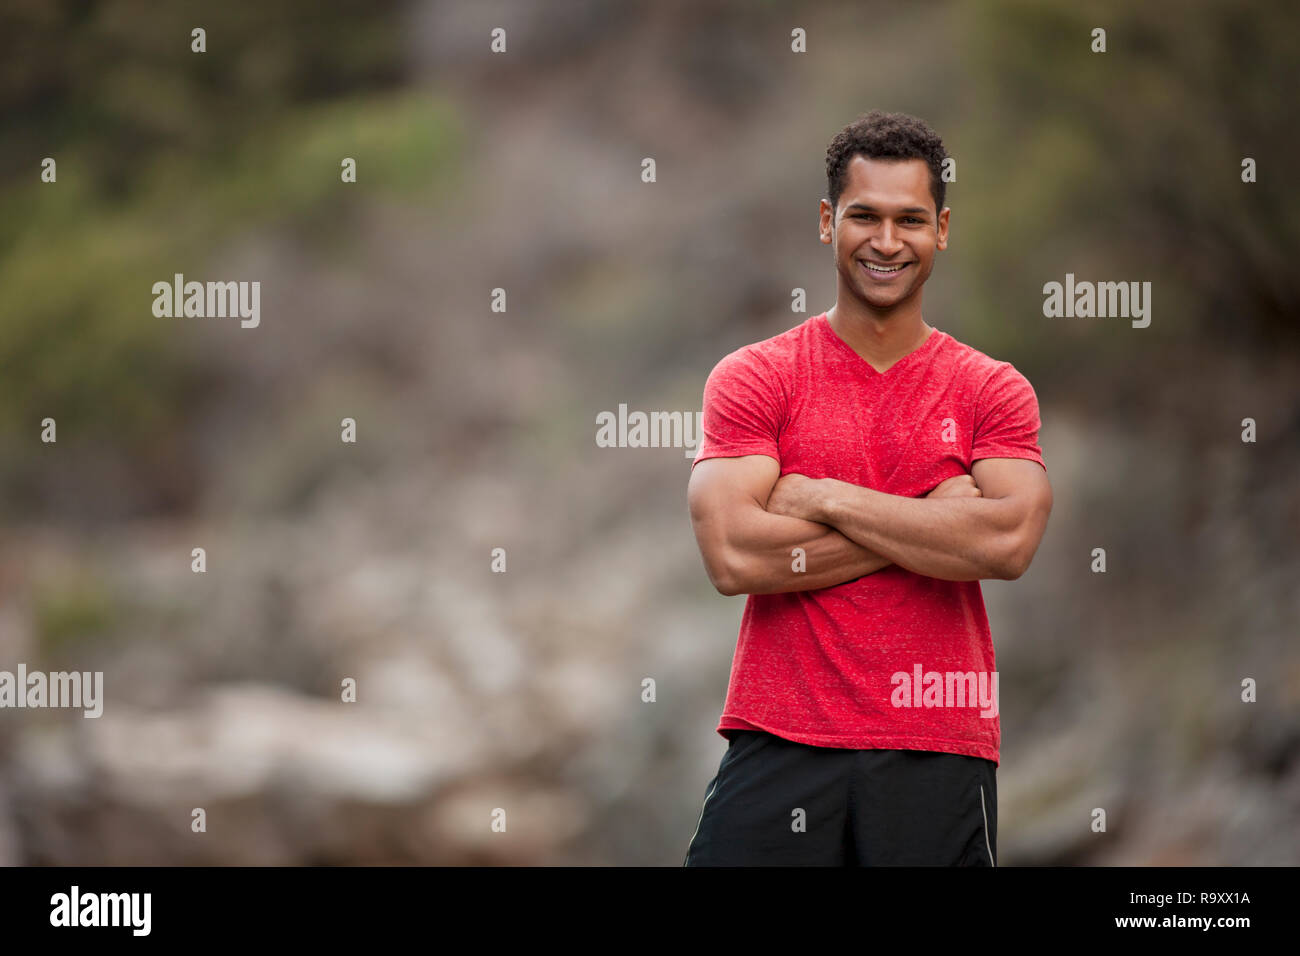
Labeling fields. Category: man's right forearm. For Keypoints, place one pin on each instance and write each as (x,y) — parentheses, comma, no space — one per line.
(762,557)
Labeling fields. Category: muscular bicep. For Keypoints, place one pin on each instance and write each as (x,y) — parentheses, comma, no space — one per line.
(1022,484)
(720,487)
(721,494)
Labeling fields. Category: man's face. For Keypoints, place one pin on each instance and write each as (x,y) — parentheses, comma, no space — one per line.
(885,217)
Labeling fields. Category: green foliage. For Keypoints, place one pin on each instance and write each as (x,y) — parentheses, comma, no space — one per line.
(1126,165)
(80,339)
(74,608)
(166,156)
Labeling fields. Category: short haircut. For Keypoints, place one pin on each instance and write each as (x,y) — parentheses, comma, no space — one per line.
(880,135)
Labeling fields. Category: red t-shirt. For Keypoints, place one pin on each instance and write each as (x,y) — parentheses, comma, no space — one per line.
(821,667)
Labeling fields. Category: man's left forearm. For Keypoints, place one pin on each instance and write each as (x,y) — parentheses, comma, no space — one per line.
(955,539)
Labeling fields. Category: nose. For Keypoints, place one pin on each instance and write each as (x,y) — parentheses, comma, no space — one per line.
(885,240)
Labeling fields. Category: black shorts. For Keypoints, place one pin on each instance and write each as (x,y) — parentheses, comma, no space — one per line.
(775,802)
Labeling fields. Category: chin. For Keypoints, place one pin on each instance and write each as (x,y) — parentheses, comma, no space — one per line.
(878,300)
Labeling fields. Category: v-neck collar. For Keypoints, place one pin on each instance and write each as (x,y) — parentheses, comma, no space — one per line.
(866,366)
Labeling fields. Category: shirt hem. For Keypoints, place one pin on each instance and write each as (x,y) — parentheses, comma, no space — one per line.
(1008,453)
(735,451)
(966,748)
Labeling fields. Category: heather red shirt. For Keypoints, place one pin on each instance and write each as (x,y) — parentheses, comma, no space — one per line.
(818,666)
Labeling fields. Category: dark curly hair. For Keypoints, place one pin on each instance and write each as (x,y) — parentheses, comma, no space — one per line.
(880,135)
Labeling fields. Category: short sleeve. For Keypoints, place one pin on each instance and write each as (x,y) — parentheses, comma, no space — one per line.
(1006,418)
(743,405)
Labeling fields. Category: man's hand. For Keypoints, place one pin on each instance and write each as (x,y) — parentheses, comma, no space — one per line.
(748,550)
(796,496)
(993,537)
(958,486)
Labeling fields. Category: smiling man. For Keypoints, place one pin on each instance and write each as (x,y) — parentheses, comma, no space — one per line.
(858,476)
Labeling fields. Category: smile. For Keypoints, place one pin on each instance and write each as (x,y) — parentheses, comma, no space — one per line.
(883,272)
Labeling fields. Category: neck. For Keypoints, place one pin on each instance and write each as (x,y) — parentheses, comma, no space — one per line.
(880,338)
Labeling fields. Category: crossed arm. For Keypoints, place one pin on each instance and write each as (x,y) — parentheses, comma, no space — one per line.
(748,519)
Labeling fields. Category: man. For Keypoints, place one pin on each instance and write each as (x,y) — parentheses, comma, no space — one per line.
(858,476)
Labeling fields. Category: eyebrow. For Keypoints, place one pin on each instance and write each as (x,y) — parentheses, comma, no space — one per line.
(910,209)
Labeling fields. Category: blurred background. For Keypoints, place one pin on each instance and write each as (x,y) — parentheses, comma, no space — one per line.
(476,429)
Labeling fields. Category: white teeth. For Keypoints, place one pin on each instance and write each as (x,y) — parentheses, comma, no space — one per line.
(879,269)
